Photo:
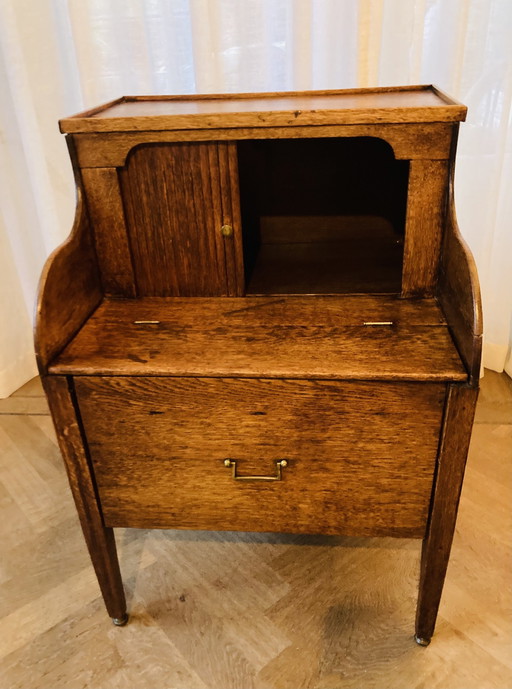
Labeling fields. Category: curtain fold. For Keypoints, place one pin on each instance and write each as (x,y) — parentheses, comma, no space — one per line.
(58,57)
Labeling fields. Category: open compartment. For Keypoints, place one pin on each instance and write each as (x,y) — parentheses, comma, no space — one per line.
(322,216)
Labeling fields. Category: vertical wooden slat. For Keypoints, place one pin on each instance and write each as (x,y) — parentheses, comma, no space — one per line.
(237,244)
(100,539)
(107,217)
(227,218)
(216,212)
(458,421)
(184,228)
(229,188)
(207,204)
(423,231)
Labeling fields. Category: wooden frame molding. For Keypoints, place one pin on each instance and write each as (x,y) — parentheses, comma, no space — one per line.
(107,215)
(411,142)
(424,226)
(422,103)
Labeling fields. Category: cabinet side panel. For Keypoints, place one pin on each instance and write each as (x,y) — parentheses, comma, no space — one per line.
(459,296)
(459,290)
(171,196)
(69,287)
(428,180)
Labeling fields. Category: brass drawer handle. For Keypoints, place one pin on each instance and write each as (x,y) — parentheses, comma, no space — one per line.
(279,465)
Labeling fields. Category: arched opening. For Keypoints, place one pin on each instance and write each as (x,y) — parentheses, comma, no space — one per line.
(322,215)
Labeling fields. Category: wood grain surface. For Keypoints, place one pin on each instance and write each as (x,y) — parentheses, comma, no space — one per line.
(176,201)
(424,226)
(403,104)
(108,225)
(326,255)
(360,456)
(298,337)
(344,267)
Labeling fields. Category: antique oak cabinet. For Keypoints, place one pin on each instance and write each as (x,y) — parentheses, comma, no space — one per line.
(265,319)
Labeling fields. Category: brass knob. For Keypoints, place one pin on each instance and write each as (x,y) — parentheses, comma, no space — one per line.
(226,230)
(283,463)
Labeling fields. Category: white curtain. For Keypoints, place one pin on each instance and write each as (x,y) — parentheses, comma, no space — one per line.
(60,56)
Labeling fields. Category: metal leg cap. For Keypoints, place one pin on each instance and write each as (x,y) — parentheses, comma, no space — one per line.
(120,621)
(420,641)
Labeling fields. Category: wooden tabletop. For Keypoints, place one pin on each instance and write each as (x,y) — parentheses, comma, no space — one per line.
(405,104)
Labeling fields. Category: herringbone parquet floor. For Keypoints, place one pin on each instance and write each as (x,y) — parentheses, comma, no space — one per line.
(244,610)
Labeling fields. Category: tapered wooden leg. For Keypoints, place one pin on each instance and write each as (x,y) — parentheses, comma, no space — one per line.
(459,414)
(100,539)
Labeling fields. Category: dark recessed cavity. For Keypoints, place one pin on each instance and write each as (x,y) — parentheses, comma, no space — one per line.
(322,215)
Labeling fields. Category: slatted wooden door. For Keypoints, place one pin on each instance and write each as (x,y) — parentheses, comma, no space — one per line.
(172,221)
(177,198)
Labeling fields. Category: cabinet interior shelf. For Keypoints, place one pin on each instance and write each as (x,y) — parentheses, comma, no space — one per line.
(326,255)
(268,337)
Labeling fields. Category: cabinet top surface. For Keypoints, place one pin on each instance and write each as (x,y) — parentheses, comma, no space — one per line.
(353,106)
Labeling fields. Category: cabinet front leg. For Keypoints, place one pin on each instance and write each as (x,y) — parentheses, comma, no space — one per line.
(100,539)
(458,421)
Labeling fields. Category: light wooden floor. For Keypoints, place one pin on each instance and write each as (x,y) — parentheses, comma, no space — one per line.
(244,610)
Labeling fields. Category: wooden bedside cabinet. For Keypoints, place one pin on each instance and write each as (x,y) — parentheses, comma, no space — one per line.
(265,319)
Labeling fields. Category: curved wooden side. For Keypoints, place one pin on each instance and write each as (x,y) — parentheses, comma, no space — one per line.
(69,287)
(459,291)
